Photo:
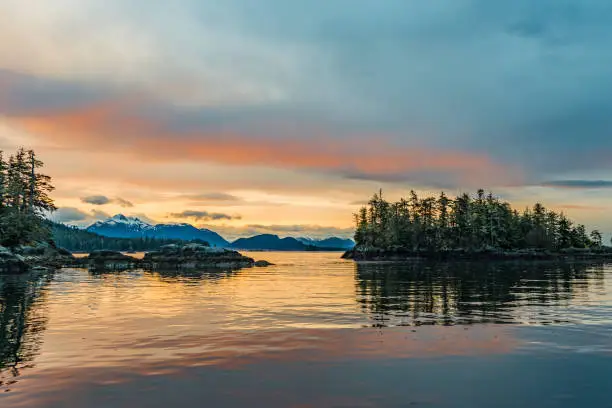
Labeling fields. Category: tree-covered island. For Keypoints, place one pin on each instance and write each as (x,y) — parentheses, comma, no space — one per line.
(29,240)
(468,227)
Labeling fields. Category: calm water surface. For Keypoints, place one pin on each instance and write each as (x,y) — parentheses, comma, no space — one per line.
(312,331)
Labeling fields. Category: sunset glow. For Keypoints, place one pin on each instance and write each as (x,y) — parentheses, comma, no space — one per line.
(285,125)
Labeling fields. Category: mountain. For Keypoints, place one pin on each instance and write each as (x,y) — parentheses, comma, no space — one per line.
(78,240)
(187,232)
(121,226)
(328,243)
(269,242)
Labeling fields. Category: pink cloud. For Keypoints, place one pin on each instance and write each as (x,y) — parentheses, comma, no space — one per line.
(135,124)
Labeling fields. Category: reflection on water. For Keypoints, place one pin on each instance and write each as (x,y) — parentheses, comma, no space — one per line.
(22,321)
(477,292)
(175,275)
(313,330)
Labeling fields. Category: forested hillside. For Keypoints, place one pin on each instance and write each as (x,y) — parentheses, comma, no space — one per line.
(78,240)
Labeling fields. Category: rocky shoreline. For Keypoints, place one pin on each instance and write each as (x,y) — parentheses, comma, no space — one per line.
(42,255)
(169,257)
(490,254)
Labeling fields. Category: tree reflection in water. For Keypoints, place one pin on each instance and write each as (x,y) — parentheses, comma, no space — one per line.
(23,320)
(472,292)
(23,315)
(195,276)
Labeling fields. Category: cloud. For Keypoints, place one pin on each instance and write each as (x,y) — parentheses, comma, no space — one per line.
(69,214)
(227,200)
(96,200)
(497,80)
(231,232)
(581,207)
(298,229)
(76,216)
(578,184)
(99,215)
(204,215)
(103,200)
(123,203)
(154,131)
(214,197)
(327,98)
(145,218)
(372,161)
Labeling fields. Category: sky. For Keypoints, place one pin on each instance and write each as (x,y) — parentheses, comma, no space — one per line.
(284,116)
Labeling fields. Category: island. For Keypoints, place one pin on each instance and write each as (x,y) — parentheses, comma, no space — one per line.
(468,227)
(27,236)
(189,256)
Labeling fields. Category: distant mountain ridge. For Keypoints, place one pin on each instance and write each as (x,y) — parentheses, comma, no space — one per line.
(121,226)
(274,242)
(332,242)
(79,240)
(269,242)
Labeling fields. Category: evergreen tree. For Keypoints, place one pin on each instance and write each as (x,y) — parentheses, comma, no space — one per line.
(596,239)
(564,229)
(3,170)
(23,199)
(442,237)
(16,183)
(39,186)
(465,223)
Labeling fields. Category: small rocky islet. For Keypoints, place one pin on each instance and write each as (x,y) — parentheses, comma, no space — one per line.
(195,256)
(169,257)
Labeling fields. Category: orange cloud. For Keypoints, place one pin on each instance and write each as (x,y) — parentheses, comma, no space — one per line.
(581,207)
(119,125)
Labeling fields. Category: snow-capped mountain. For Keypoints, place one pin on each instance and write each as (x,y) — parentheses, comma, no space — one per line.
(121,226)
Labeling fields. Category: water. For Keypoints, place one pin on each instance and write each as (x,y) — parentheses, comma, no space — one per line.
(313,331)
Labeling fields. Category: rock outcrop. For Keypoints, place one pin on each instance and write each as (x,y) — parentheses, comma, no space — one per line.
(11,262)
(110,260)
(262,264)
(195,256)
(38,256)
(45,255)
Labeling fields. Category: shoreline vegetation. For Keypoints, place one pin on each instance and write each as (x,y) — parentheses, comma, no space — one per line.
(479,227)
(82,241)
(26,235)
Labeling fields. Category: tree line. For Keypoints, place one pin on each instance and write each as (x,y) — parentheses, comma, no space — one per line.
(25,204)
(24,198)
(79,240)
(466,222)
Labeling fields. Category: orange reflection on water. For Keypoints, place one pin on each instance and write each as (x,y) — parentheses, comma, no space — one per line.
(289,309)
(113,330)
